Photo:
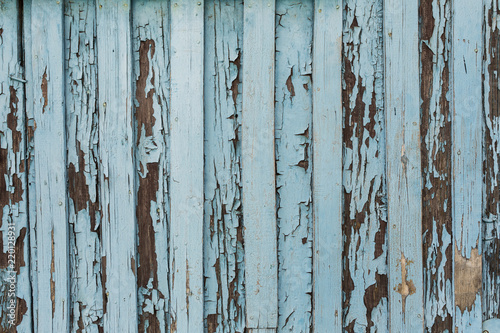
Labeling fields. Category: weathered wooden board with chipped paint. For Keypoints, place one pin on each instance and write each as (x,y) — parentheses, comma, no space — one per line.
(258,166)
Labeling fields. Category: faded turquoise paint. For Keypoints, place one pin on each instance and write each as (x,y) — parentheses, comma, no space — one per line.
(266,166)
(293,131)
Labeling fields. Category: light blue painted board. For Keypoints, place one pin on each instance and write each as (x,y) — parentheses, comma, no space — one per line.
(84,217)
(364,180)
(116,167)
(224,303)
(150,33)
(47,36)
(259,184)
(404,177)
(435,129)
(467,134)
(327,166)
(293,132)
(30,158)
(15,288)
(186,158)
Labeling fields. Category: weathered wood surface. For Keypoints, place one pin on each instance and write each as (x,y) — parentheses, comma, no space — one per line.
(491,166)
(51,231)
(293,134)
(116,174)
(224,306)
(15,290)
(150,42)
(467,180)
(186,166)
(435,130)
(84,215)
(263,166)
(327,165)
(259,169)
(404,178)
(365,276)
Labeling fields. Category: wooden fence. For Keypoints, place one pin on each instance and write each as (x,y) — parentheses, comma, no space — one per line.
(266,166)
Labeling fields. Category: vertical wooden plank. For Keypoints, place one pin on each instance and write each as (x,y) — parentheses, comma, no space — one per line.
(186,156)
(293,125)
(15,292)
(152,78)
(467,162)
(224,304)
(404,178)
(327,166)
(47,33)
(435,130)
(365,280)
(82,167)
(116,166)
(491,164)
(259,184)
(30,158)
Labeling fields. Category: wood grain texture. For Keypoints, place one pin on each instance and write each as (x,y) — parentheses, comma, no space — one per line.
(467,163)
(53,297)
(258,162)
(293,131)
(186,156)
(404,177)
(15,289)
(435,130)
(30,158)
(224,306)
(116,167)
(491,164)
(86,306)
(150,34)
(365,276)
(327,166)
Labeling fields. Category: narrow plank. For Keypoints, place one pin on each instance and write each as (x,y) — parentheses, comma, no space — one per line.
(467,163)
(84,217)
(224,304)
(30,158)
(50,166)
(365,280)
(116,167)
(259,185)
(293,125)
(152,78)
(435,130)
(327,166)
(404,177)
(15,293)
(186,156)
(491,162)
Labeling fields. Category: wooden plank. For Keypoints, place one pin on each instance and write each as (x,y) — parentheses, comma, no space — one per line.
(50,166)
(84,216)
(259,185)
(435,52)
(224,304)
(186,156)
(116,167)
(404,177)
(293,126)
(15,294)
(491,162)
(30,158)
(327,166)
(467,163)
(152,79)
(365,280)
